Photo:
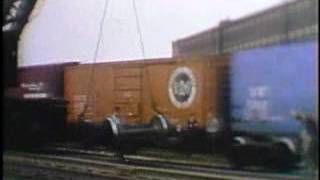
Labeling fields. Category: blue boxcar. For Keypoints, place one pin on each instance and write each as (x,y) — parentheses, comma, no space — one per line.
(271,83)
(268,85)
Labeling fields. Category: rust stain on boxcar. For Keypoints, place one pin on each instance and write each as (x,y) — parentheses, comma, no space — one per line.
(137,86)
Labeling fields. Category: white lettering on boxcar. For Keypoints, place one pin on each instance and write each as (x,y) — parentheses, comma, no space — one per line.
(33,86)
(257,104)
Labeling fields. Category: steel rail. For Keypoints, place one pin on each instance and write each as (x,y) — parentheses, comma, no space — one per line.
(144,158)
(140,168)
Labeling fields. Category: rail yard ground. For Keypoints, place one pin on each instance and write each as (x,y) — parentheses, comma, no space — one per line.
(65,162)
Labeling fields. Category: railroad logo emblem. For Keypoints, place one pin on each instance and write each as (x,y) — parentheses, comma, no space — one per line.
(182,87)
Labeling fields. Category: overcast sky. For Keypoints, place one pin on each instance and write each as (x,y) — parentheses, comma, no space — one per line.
(67,30)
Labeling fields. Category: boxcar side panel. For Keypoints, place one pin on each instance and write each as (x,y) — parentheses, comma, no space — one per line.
(76,91)
(159,77)
(103,92)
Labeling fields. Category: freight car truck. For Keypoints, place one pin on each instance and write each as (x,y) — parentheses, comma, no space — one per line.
(269,88)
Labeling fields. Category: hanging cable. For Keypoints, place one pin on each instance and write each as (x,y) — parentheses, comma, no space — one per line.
(153,102)
(91,76)
(138,28)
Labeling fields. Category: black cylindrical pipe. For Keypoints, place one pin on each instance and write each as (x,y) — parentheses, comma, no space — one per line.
(158,125)
(129,137)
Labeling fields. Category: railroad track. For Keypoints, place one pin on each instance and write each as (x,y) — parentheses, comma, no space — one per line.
(152,156)
(108,167)
(111,155)
(31,165)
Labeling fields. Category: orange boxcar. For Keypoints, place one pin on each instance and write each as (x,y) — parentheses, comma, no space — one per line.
(178,87)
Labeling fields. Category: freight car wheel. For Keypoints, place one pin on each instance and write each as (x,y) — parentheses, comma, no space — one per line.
(281,156)
(161,126)
(214,126)
(159,122)
(236,157)
(108,134)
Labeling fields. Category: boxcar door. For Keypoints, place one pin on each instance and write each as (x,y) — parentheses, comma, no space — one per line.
(127,92)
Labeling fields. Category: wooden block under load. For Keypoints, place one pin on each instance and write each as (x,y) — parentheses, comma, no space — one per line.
(178,87)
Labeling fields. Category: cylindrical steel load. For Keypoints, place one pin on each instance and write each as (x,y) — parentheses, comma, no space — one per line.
(157,126)
(125,137)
